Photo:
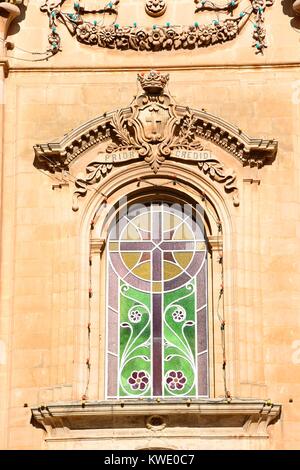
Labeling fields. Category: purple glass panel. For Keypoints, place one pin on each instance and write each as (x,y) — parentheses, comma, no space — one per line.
(112,340)
(113,288)
(136,246)
(156,265)
(201,287)
(137,283)
(177,245)
(177,282)
(157,345)
(156,227)
(112,369)
(168,256)
(202,375)
(202,330)
(196,263)
(118,264)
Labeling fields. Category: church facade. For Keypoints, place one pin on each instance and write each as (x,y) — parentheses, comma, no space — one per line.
(150,225)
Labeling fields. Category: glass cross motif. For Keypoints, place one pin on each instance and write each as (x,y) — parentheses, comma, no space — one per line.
(157,306)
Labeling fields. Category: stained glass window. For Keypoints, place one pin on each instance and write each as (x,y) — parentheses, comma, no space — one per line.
(157,303)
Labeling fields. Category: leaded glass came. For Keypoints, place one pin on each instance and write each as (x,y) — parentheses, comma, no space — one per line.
(157,303)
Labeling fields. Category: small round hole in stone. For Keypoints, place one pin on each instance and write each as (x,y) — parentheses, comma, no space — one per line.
(156,422)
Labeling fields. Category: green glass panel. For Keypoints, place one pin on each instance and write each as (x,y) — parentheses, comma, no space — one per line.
(179,341)
(135,342)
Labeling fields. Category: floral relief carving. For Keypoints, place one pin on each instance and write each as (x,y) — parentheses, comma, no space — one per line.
(154,129)
(155,8)
(157,38)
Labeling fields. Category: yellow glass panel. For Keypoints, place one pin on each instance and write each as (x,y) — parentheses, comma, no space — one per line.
(131,233)
(156,286)
(114,246)
(200,246)
(143,221)
(143,271)
(183,233)
(183,258)
(130,259)
(171,270)
(170,221)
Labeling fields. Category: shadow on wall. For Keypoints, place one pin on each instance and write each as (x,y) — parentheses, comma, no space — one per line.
(289,8)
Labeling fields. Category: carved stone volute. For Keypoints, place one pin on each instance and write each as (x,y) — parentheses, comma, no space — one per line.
(9,10)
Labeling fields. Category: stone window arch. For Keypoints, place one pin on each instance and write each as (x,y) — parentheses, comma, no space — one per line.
(161,372)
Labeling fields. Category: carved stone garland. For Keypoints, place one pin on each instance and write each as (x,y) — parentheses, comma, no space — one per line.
(154,129)
(157,38)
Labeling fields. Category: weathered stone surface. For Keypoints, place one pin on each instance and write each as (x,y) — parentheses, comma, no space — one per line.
(45,245)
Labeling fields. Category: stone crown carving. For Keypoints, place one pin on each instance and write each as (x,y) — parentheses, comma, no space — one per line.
(153,82)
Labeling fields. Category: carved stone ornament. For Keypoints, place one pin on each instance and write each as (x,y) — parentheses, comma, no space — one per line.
(154,129)
(157,38)
(155,8)
(9,10)
(296,7)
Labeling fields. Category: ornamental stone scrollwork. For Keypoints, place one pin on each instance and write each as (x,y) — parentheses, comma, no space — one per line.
(296,7)
(152,130)
(9,10)
(157,38)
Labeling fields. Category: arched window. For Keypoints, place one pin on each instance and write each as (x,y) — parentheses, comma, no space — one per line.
(157,331)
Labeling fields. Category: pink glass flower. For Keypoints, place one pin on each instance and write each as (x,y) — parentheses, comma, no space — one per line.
(175,380)
(139,380)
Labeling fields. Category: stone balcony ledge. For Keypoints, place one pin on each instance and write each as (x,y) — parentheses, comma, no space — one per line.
(203,418)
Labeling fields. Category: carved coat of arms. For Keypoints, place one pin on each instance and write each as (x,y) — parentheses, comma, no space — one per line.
(154,129)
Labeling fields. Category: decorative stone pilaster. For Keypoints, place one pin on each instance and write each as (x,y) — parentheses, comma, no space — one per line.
(8,11)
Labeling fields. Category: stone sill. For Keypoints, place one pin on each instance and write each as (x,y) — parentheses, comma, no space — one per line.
(209,418)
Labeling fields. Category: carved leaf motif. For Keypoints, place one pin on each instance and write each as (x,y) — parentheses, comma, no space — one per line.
(186,137)
(155,158)
(120,130)
(216,172)
(95,171)
(124,140)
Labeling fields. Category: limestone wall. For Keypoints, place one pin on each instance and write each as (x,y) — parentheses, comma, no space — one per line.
(43,264)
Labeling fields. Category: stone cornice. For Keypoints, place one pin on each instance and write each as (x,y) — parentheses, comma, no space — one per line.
(154,129)
(237,418)
(58,155)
